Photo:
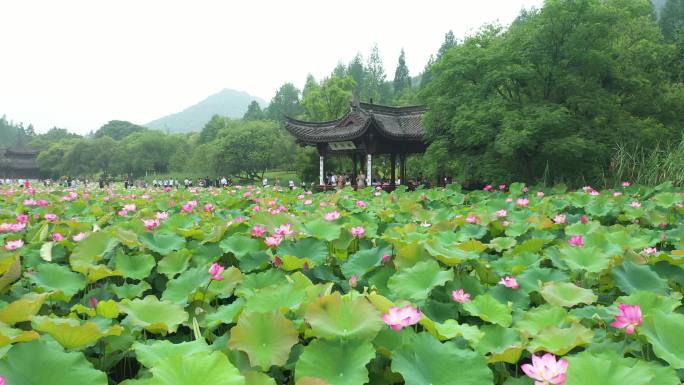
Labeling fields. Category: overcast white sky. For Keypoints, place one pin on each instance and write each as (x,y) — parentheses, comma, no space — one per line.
(80,63)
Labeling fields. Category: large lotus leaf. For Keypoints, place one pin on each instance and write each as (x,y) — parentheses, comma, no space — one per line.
(11,273)
(71,333)
(225,314)
(362,262)
(174,263)
(664,332)
(667,199)
(452,329)
(41,363)
(308,248)
(333,316)
(22,309)
(153,315)
(500,344)
(253,282)
(448,253)
(325,230)
(559,341)
(130,291)
(335,362)
(489,309)
(134,266)
(650,302)
(427,361)
(162,242)
(266,338)
(416,283)
(180,289)
(257,378)
(609,368)
(287,296)
(530,278)
(239,245)
(153,351)
(57,278)
(539,318)
(502,243)
(589,259)
(630,277)
(91,250)
(223,289)
(566,294)
(9,335)
(201,368)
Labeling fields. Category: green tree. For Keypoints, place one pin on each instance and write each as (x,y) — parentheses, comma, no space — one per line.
(356,70)
(118,129)
(448,43)
(53,135)
(253,112)
(212,128)
(285,102)
(329,100)
(426,76)
(402,79)
(375,85)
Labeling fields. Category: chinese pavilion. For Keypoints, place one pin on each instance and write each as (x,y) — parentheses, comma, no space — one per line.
(366,130)
(19,161)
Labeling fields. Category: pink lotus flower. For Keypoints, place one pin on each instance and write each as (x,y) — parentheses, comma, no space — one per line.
(78,237)
(50,217)
(161,215)
(22,218)
(258,231)
(93,302)
(617,194)
(576,241)
(42,203)
(559,219)
(273,241)
(247,194)
(509,282)
(361,204)
(629,318)
(525,189)
(239,219)
(522,202)
(209,208)
(14,227)
(284,230)
(300,197)
(460,296)
(584,219)
(129,207)
(501,213)
(358,231)
(30,202)
(57,237)
(122,213)
(215,270)
(506,223)
(189,206)
(323,204)
(151,224)
(546,370)
(353,281)
(13,245)
(386,258)
(649,250)
(471,219)
(502,187)
(594,192)
(509,200)
(540,194)
(635,204)
(488,187)
(399,318)
(626,184)
(333,215)
(256,209)
(277,262)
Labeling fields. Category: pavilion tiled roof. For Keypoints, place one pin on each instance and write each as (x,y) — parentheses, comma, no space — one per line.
(399,123)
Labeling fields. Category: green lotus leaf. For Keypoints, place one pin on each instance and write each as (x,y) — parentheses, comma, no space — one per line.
(609,368)
(517,229)
(664,332)
(530,278)
(162,242)
(447,252)
(46,251)
(308,248)
(174,263)
(452,329)
(134,266)
(333,316)
(630,278)
(539,318)
(667,199)
(415,283)
(153,315)
(266,338)
(41,363)
(11,273)
(489,309)
(257,378)
(335,362)
(502,243)
(588,259)
(9,335)
(239,245)
(559,341)
(22,309)
(91,250)
(151,352)
(566,294)
(651,302)
(427,361)
(71,333)
(501,344)
(57,278)
(131,291)
(363,261)
(182,289)
(322,229)
(224,289)
(225,314)
(201,368)
(287,296)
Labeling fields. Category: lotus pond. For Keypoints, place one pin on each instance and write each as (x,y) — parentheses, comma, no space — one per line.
(256,286)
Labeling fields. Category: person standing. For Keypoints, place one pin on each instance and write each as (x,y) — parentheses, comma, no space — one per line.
(361,180)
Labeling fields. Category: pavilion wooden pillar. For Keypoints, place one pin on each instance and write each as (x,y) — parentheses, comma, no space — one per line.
(393,160)
(321,163)
(354,170)
(402,169)
(369,170)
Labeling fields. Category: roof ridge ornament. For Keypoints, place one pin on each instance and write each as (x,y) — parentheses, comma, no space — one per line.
(355,103)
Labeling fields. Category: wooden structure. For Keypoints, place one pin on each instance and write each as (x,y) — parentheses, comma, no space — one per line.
(19,161)
(365,131)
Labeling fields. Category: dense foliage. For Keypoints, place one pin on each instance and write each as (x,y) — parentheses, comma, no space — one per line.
(263,286)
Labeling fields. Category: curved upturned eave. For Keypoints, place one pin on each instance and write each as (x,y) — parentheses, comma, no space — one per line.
(323,132)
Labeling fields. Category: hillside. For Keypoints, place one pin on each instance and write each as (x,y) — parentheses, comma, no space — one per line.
(226,102)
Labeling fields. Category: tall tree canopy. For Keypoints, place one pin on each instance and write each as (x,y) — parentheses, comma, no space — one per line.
(328,100)
(118,129)
(285,102)
(402,79)
(254,112)
(553,95)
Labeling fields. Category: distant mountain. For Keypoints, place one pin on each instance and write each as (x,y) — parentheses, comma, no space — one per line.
(226,102)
